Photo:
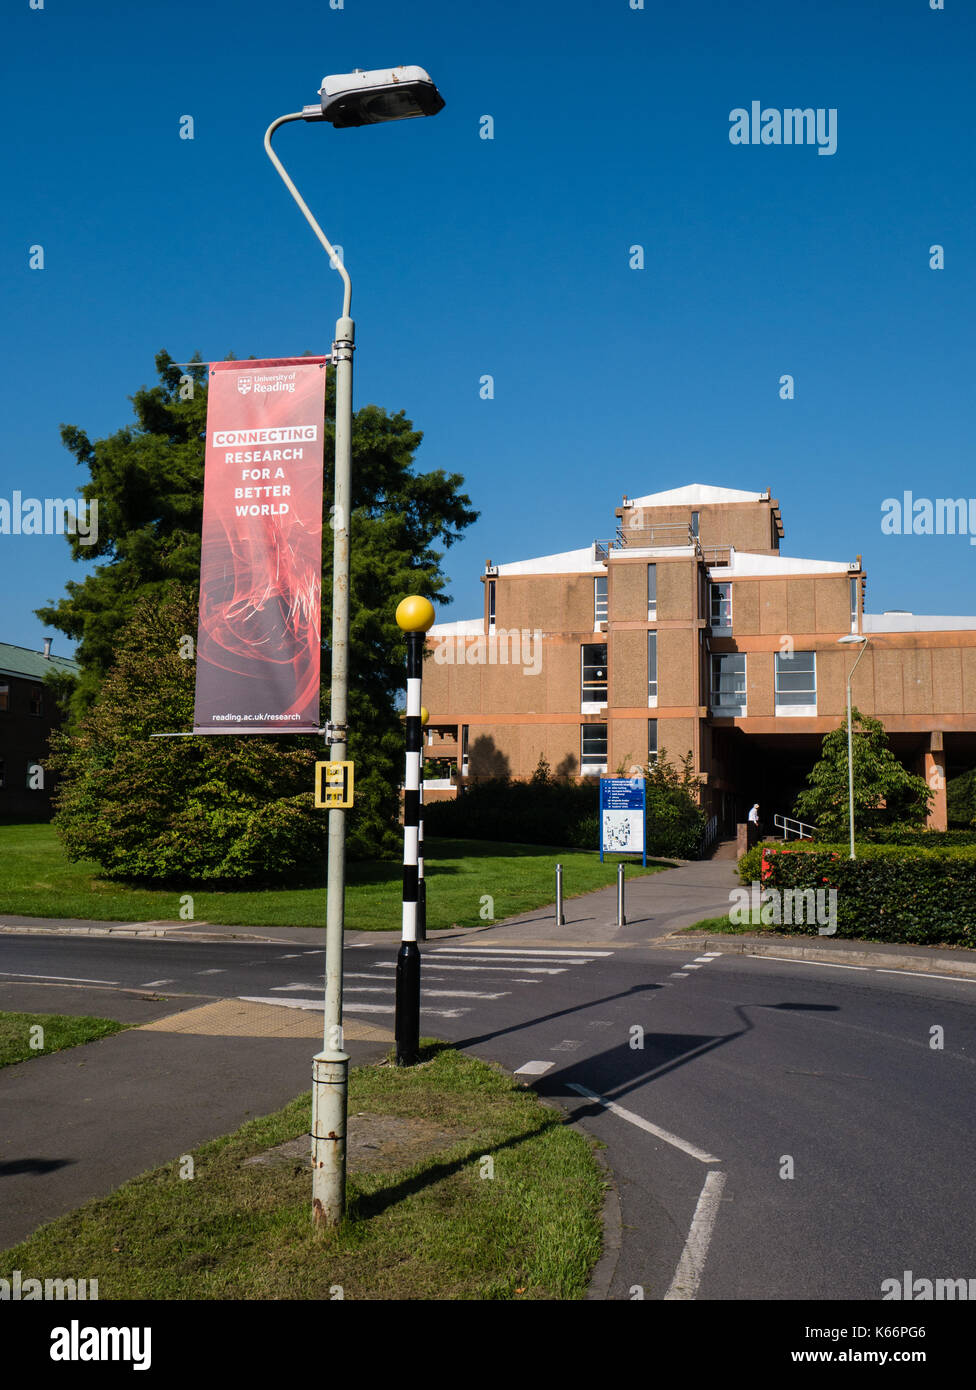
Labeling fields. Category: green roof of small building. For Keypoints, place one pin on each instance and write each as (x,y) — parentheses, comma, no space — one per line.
(21,661)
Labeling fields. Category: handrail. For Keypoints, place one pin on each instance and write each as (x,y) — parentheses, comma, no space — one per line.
(790,826)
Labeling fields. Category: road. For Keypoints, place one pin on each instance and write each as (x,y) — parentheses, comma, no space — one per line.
(779,1129)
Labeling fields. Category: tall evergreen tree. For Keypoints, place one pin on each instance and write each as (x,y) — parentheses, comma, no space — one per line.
(148,481)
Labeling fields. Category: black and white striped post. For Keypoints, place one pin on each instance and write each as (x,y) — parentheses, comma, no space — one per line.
(414,615)
(421,881)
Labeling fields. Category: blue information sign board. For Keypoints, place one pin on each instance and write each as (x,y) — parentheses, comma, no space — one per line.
(623,815)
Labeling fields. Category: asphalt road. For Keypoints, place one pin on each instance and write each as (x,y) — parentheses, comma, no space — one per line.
(781,1130)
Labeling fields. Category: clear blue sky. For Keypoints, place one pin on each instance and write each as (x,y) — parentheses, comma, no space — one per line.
(510,256)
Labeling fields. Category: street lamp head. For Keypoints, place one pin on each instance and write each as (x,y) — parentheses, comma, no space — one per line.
(415,614)
(384,94)
(852,637)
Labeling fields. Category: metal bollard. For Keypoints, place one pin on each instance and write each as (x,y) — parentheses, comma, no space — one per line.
(560,919)
(621,919)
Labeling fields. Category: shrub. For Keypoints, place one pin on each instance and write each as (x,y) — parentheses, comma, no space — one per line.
(888,893)
(545,812)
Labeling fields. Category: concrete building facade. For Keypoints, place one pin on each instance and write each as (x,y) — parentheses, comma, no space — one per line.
(689,630)
(27,717)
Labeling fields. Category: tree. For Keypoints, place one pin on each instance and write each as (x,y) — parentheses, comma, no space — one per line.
(885,793)
(148,481)
(188,809)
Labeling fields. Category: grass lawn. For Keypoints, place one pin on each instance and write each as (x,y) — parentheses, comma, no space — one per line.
(60,1031)
(712,925)
(37,880)
(432,1227)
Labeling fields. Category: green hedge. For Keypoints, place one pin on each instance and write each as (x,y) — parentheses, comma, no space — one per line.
(923,839)
(888,893)
(560,813)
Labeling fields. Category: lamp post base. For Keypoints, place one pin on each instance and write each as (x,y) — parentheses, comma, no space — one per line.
(407,1026)
(330,1073)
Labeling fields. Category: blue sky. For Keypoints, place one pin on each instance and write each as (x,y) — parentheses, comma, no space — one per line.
(510,256)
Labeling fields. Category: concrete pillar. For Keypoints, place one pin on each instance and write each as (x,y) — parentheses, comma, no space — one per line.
(741,838)
(935,775)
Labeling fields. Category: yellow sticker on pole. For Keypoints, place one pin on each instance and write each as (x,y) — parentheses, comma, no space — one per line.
(333,785)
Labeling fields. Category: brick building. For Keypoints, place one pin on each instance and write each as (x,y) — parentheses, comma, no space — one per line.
(27,716)
(690,630)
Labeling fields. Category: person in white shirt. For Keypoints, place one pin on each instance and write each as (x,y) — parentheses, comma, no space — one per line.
(754,824)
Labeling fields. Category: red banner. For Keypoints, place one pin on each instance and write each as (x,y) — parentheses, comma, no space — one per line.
(258,644)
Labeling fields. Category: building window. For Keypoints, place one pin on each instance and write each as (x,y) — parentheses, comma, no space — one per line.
(4,698)
(464,749)
(796,683)
(651,593)
(593,678)
(3,773)
(720,606)
(695,516)
(491,605)
(652,668)
(36,700)
(651,741)
(593,748)
(599,600)
(729,685)
(853,605)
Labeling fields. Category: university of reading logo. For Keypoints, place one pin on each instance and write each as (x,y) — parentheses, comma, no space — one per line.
(243,384)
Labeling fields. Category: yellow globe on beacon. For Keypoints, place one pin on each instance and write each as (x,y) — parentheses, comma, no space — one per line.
(415,614)
(424,714)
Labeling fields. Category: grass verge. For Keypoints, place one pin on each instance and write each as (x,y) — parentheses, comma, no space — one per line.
(58,1031)
(469,882)
(433,1227)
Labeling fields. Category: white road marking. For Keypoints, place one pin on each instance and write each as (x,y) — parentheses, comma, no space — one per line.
(319,1004)
(460,994)
(641,1123)
(679,974)
(795,960)
(705,959)
(150,984)
(533,1068)
(513,958)
(294,956)
(313,953)
(516,951)
(567,1045)
(211,972)
(73,979)
(691,966)
(513,969)
(691,1266)
(925,975)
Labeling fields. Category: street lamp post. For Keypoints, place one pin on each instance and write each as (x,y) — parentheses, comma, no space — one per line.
(852,638)
(351,99)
